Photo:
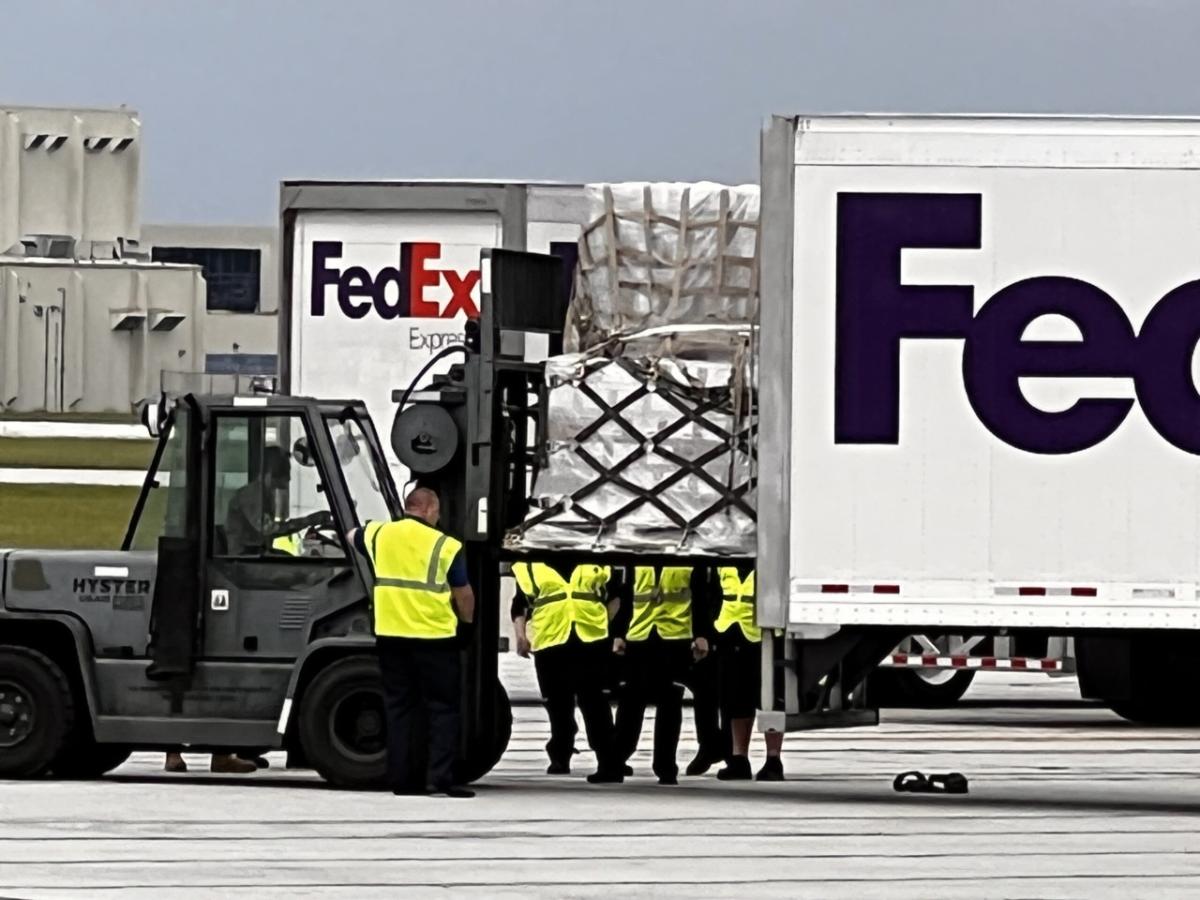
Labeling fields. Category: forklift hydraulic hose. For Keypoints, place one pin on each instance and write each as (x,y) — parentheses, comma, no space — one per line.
(441,354)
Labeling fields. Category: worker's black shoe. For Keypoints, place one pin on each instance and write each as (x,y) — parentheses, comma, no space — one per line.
(558,767)
(737,768)
(457,791)
(668,778)
(628,770)
(606,776)
(772,770)
(701,764)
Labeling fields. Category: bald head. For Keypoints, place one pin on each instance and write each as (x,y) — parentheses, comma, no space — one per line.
(422,503)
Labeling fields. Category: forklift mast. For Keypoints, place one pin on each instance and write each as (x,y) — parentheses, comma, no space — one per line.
(470,435)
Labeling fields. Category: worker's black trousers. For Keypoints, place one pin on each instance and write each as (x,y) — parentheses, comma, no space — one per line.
(703,680)
(573,673)
(421,675)
(656,670)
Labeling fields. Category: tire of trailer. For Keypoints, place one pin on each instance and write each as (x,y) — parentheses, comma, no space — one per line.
(1156,710)
(37,712)
(1141,677)
(907,688)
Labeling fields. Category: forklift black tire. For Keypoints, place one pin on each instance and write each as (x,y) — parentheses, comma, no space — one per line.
(483,755)
(37,712)
(84,759)
(341,724)
(897,688)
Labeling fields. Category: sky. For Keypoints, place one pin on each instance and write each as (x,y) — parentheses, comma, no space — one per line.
(235,95)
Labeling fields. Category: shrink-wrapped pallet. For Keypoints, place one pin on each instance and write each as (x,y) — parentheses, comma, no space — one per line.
(649,447)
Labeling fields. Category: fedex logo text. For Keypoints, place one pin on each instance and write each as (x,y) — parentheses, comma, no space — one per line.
(359,291)
(875,313)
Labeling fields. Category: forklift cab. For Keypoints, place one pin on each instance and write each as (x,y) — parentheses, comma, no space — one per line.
(244,514)
(246,505)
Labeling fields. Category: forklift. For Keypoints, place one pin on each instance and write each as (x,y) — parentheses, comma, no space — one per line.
(235,617)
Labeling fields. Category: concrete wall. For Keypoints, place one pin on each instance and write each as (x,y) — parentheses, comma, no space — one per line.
(94,337)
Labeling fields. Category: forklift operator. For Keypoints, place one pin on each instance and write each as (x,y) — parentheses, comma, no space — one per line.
(252,523)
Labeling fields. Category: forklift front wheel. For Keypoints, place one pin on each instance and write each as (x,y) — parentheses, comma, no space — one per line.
(341,725)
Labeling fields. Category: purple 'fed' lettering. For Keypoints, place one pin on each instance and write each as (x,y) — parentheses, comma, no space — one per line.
(875,313)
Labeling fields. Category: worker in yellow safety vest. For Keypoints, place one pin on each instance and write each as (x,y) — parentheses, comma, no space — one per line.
(654,630)
(739,657)
(421,594)
(564,624)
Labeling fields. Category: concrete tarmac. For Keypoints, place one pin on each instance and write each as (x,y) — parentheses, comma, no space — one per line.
(1066,801)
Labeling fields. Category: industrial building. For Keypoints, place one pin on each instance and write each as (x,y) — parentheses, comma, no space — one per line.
(96,310)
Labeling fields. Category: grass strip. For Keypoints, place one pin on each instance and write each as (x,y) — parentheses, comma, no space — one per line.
(74,453)
(64,516)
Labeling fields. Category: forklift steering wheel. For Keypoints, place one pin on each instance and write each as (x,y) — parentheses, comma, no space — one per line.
(326,540)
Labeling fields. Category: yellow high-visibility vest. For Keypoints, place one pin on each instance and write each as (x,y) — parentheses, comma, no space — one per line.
(411,562)
(738,604)
(557,605)
(661,602)
(288,543)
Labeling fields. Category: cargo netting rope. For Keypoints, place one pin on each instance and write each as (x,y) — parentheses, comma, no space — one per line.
(693,405)
(643,267)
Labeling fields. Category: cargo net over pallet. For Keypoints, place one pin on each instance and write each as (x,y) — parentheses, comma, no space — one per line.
(648,426)
(664,254)
(649,447)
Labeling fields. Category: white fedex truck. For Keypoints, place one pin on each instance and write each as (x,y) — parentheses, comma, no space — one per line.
(379,276)
(979,393)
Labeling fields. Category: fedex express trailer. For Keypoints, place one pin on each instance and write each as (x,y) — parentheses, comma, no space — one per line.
(379,276)
(979,395)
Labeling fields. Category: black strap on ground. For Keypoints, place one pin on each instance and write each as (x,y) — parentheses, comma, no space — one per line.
(919,783)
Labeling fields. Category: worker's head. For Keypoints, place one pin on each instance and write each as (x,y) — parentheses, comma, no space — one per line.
(276,470)
(422,503)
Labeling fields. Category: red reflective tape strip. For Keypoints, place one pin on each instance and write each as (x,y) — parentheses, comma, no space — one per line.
(989,662)
(1019,663)
(1049,663)
(886,589)
(958,662)
(1083,592)
(835,589)
(929,659)
(1032,591)
(900,658)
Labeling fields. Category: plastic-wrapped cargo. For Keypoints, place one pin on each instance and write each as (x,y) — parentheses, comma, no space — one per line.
(649,447)
(656,254)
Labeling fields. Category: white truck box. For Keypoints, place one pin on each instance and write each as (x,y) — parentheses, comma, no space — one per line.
(378,276)
(978,373)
